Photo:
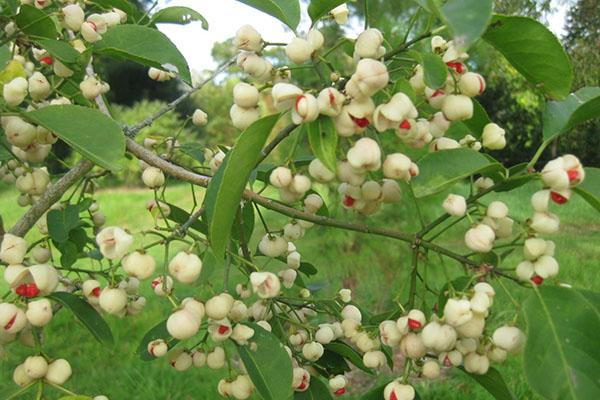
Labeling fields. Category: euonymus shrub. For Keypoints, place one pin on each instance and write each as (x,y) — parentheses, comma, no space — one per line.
(388,120)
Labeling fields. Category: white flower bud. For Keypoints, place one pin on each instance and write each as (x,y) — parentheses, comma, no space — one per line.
(185,267)
(368,44)
(345,295)
(113,242)
(219,306)
(247,38)
(299,50)
(245,95)
(15,91)
(199,117)
(113,300)
(497,209)
(480,238)
(340,14)
(509,338)
(265,284)
(324,334)
(59,371)
(351,312)
(471,84)
(293,260)
(39,312)
(242,118)
(455,205)
(457,107)
(288,277)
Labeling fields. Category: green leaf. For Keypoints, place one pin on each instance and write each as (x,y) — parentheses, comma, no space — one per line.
(60,222)
(181,217)
(5,56)
(323,140)
(319,8)
(60,50)
(533,51)
(402,85)
(133,12)
(467,19)
(287,11)
(317,390)
(86,314)
(269,366)
(331,364)
(589,189)
(146,46)
(35,23)
(348,353)
(442,169)
(493,382)
(434,70)
(159,331)
(562,356)
(226,187)
(478,121)
(178,15)
(95,135)
(247,216)
(578,107)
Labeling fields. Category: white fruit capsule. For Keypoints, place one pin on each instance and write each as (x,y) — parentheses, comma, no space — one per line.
(472,328)
(300,184)
(59,371)
(12,249)
(497,209)
(114,242)
(293,260)
(299,50)
(476,364)
(219,330)
(365,155)
(15,91)
(431,370)
(20,377)
(198,359)
(247,38)
(480,238)
(306,109)
(139,265)
(397,166)
(199,117)
(195,307)
(280,177)
(242,387)
(312,351)
(185,267)
(113,300)
(153,177)
(241,334)
(39,312)
(158,348)
(288,277)
(12,318)
(471,84)
(330,102)
(412,346)
(19,133)
(455,205)
(90,87)
(73,17)
(368,44)
(545,223)
(312,203)
(340,14)
(316,39)
(546,267)
(245,95)
(374,359)
(216,358)
(351,312)
(398,391)
(35,367)
(39,87)
(272,246)
(265,284)
(509,338)
(324,335)
(242,117)
(457,107)
(337,384)
(219,306)
(370,77)
(493,137)
(182,324)
(181,360)
(41,254)
(457,311)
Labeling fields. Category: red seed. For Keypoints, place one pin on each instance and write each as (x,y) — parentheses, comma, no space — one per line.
(405,124)
(32,290)
(331,97)
(393,396)
(437,93)
(96,292)
(46,60)
(414,324)
(21,290)
(348,201)
(155,283)
(447,361)
(223,329)
(361,122)
(573,175)
(340,392)
(10,323)
(537,280)
(298,100)
(302,386)
(481,85)
(558,198)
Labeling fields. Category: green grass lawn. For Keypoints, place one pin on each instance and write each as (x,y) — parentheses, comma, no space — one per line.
(374,267)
